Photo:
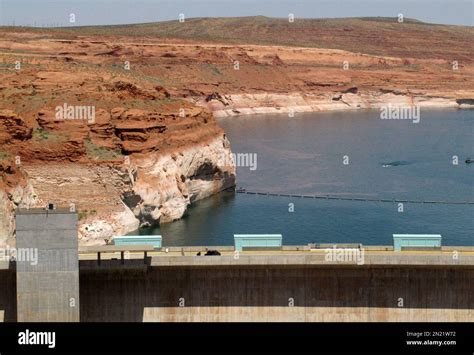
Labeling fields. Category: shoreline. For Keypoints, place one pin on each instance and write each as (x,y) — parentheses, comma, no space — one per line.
(232,105)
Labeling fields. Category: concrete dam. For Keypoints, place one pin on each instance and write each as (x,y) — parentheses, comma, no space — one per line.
(291,283)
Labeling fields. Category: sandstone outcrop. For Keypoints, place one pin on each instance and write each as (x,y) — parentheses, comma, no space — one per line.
(141,160)
(13,128)
(118,197)
(15,192)
(126,169)
(180,179)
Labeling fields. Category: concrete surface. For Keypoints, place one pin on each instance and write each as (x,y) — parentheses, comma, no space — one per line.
(7,296)
(294,284)
(48,288)
(278,293)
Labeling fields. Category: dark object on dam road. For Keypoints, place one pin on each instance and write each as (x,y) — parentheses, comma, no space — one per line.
(212,252)
(469,161)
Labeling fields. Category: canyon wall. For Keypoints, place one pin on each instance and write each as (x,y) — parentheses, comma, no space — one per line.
(158,188)
(112,144)
(16,191)
(129,168)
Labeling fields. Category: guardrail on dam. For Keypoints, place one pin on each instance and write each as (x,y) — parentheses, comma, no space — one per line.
(297,283)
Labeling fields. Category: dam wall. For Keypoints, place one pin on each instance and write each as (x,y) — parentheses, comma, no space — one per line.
(135,291)
(7,295)
(286,293)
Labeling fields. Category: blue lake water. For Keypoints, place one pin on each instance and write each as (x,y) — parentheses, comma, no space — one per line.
(388,159)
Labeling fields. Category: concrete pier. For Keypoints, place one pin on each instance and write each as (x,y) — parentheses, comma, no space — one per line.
(47,267)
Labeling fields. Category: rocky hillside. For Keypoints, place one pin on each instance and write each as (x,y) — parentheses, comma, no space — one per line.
(15,191)
(140,158)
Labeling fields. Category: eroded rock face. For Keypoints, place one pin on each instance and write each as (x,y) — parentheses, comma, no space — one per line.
(149,189)
(99,230)
(349,99)
(15,192)
(13,128)
(159,188)
(127,168)
(6,220)
(167,185)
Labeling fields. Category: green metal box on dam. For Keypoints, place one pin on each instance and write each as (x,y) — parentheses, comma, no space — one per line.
(257,241)
(401,241)
(153,240)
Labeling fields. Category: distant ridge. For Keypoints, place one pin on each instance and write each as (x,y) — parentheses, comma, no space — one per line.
(371,35)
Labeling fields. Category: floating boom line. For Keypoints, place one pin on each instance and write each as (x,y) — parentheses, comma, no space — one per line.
(361,199)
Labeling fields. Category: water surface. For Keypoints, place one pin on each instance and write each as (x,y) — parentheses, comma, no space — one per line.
(389,159)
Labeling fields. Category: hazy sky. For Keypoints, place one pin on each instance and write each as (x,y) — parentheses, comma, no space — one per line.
(102,12)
